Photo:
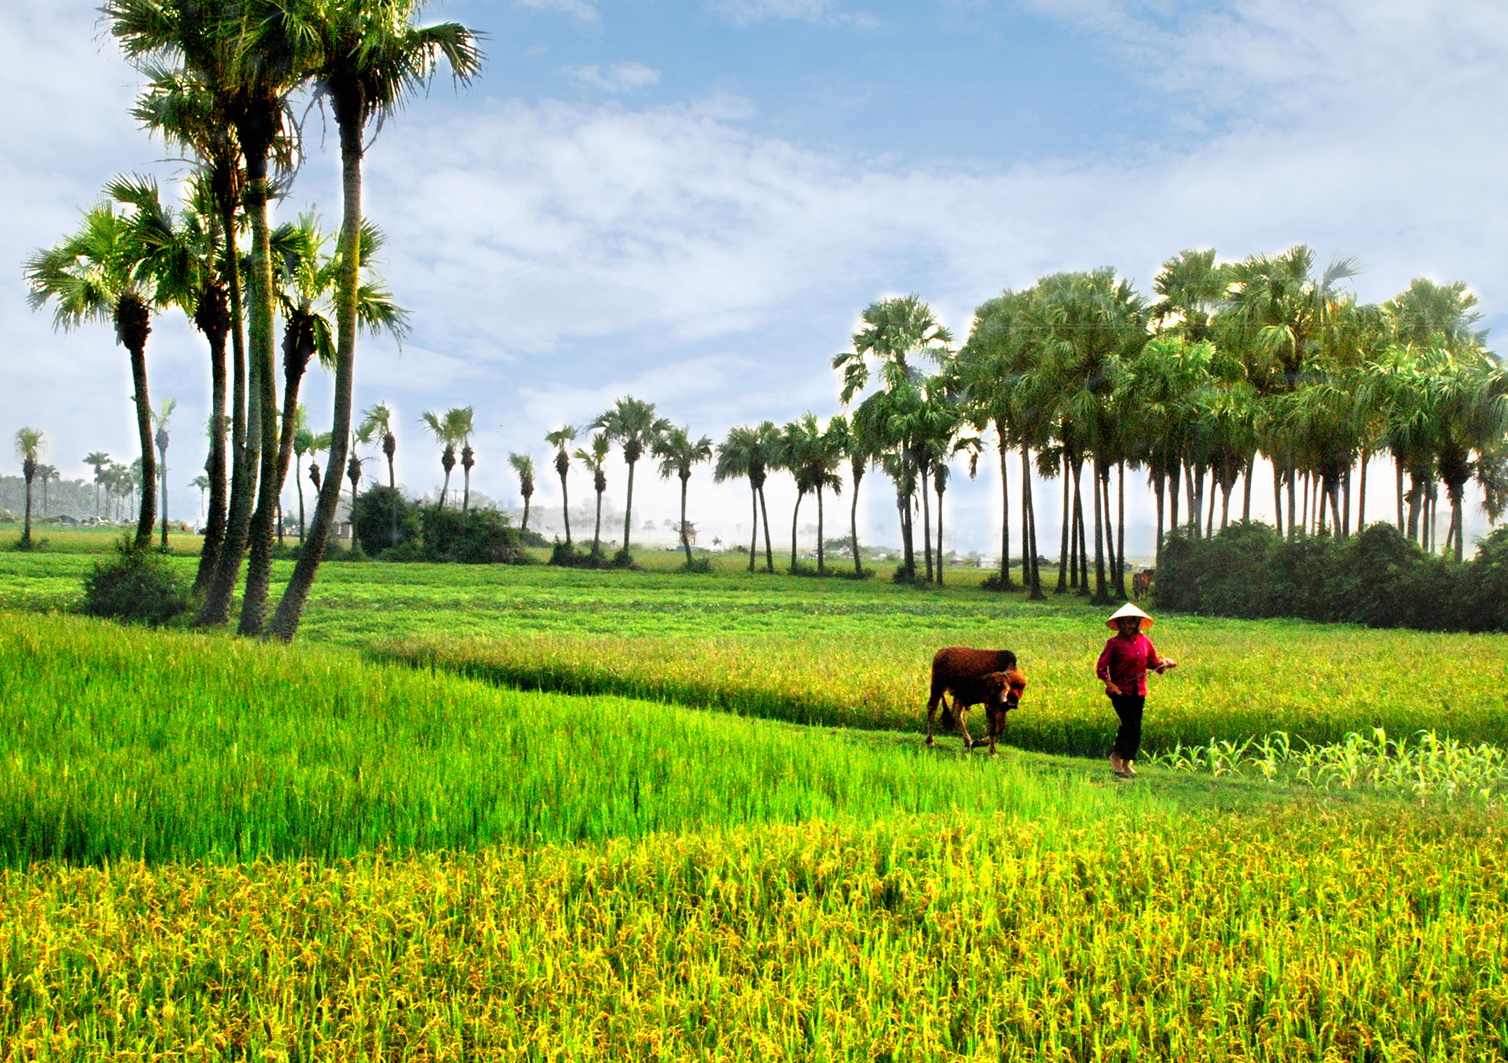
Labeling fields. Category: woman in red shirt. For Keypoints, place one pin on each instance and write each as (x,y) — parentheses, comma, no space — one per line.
(1123,666)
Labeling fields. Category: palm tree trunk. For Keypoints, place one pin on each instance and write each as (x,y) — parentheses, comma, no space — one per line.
(1160,486)
(1029,544)
(597,531)
(764,514)
(214,321)
(1083,527)
(1210,526)
(1076,535)
(820,556)
(133,325)
(754,539)
(466,493)
(162,483)
(29,472)
(259,533)
(291,607)
(298,482)
(1251,465)
(1005,514)
(1104,488)
(1173,484)
(1120,531)
(565,504)
(1361,495)
(1193,497)
(926,523)
(628,515)
(1398,476)
(222,583)
(525,526)
(1290,474)
(685,539)
(794,514)
(1101,591)
(1063,560)
(938,486)
(1345,512)
(853,523)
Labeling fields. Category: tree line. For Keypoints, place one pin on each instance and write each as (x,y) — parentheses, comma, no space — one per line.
(222,81)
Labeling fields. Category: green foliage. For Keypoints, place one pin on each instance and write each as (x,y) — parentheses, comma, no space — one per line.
(384,519)
(480,537)
(1378,578)
(137,585)
(169,747)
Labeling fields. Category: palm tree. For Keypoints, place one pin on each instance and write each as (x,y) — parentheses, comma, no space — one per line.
(811,457)
(29,446)
(632,424)
(202,483)
(678,452)
(367,59)
(99,274)
(559,439)
(894,331)
(594,459)
(1192,288)
(194,63)
(523,464)
(745,453)
(445,427)
(160,420)
(463,427)
(99,460)
(378,418)
(303,443)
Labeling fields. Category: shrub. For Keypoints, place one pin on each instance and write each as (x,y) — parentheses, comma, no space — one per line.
(1378,578)
(383,519)
(137,585)
(482,537)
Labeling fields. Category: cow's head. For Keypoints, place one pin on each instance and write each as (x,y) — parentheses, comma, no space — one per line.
(1003,689)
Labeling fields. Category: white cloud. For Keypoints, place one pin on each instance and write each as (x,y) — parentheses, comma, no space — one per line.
(619,77)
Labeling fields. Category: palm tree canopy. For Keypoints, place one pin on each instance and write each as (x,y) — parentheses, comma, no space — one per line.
(377,418)
(678,452)
(894,330)
(523,464)
(632,424)
(30,443)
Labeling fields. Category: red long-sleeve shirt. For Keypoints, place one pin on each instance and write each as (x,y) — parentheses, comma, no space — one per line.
(1125,662)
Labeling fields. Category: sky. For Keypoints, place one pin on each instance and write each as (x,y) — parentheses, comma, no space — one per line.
(692,202)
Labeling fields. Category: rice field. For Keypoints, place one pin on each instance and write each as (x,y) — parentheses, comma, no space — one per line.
(375,845)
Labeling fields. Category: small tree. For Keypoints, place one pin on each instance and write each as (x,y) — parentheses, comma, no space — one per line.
(558,439)
(678,452)
(523,464)
(595,460)
(29,446)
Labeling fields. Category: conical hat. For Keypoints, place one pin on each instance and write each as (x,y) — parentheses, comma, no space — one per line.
(1128,610)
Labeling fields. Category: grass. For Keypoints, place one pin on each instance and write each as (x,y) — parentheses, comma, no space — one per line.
(224,850)
(856,654)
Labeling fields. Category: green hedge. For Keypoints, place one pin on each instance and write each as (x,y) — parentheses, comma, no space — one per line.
(1378,578)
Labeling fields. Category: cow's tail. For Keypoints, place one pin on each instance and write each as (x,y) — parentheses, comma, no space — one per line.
(949,718)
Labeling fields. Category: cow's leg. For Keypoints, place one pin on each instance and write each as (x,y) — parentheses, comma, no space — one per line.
(937,695)
(961,716)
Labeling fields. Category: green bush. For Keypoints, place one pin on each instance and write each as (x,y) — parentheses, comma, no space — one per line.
(383,519)
(137,585)
(1377,578)
(481,537)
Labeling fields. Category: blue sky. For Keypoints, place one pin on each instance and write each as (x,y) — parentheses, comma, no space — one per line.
(692,201)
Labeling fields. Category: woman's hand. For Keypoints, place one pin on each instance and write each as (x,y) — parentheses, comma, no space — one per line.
(1167,663)
(1111,689)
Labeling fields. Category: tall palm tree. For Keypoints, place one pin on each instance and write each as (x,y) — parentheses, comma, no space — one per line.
(739,454)
(1192,288)
(194,58)
(160,420)
(100,274)
(303,443)
(678,452)
(632,424)
(29,446)
(378,420)
(595,459)
(895,331)
(366,58)
(447,431)
(99,460)
(523,464)
(559,439)
(463,426)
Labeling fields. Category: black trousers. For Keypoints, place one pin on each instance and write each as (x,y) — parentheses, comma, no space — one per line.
(1129,708)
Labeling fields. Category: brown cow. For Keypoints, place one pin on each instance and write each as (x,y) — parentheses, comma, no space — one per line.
(973,677)
(1141,584)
